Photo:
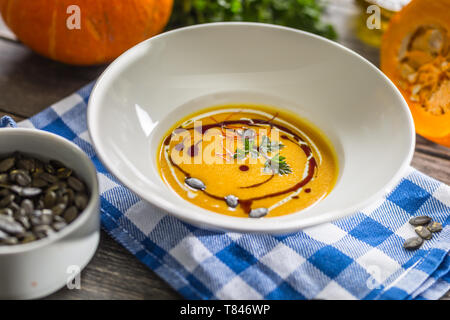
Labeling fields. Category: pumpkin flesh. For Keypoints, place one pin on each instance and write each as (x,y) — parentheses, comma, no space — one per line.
(415,55)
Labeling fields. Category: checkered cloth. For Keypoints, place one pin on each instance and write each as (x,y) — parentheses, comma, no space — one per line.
(358,257)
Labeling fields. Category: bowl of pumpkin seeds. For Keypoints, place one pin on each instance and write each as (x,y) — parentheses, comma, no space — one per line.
(49,212)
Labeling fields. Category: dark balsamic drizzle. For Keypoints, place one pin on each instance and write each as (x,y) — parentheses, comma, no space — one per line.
(193,149)
(246,204)
(258,184)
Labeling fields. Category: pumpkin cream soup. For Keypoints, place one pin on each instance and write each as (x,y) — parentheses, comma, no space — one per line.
(248,161)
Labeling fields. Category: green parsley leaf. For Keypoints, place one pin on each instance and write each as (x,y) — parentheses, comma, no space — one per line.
(278,165)
(268,146)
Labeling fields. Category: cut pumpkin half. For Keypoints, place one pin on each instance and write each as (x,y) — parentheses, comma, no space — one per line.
(415,55)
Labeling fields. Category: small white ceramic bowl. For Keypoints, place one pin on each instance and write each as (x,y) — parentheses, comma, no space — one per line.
(156,83)
(36,269)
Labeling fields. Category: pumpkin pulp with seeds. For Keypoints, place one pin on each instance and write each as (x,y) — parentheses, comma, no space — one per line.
(243,160)
(415,55)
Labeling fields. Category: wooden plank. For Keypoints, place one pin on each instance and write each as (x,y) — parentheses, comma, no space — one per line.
(30,83)
(446,297)
(425,146)
(432,159)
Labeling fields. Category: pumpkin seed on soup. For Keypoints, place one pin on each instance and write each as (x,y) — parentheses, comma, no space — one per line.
(258,213)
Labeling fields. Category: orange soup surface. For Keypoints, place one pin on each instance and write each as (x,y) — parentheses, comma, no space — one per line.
(248,161)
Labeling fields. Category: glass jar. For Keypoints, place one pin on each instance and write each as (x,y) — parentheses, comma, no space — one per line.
(387,9)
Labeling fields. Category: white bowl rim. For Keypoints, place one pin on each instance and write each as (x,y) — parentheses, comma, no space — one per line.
(83,216)
(274,225)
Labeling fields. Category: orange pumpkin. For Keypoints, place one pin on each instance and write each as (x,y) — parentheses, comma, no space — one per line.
(107,27)
(415,55)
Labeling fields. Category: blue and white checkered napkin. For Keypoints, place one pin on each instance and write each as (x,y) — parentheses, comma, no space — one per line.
(359,257)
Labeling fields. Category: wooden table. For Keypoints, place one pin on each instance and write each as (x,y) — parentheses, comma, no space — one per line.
(30,83)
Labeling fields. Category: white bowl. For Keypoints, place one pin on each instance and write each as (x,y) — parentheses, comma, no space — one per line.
(156,83)
(36,269)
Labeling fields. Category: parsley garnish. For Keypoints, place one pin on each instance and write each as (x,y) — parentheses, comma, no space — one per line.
(249,146)
(268,146)
(276,165)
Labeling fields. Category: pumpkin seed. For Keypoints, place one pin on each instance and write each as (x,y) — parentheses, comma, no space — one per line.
(14,206)
(7,164)
(4,178)
(26,164)
(30,192)
(24,221)
(34,202)
(48,177)
(28,206)
(16,189)
(49,168)
(195,183)
(22,179)
(57,226)
(434,226)
(4,192)
(70,196)
(413,243)
(258,213)
(7,212)
(81,201)
(70,214)
(28,237)
(42,231)
(54,187)
(3,235)
(50,199)
(19,213)
(9,225)
(38,183)
(13,173)
(420,221)
(64,200)
(10,241)
(232,201)
(5,201)
(59,209)
(58,219)
(41,217)
(75,184)
(423,232)
(63,173)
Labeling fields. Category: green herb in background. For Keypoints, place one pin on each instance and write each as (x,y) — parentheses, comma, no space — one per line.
(299,14)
